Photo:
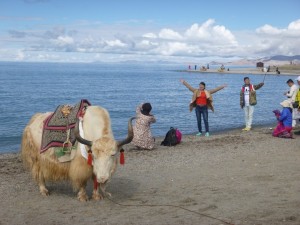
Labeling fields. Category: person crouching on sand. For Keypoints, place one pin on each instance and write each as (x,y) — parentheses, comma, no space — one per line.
(285,118)
(248,101)
(142,136)
(202,101)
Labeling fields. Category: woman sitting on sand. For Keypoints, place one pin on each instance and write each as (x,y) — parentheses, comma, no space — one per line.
(202,101)
(284,127)
(142,137)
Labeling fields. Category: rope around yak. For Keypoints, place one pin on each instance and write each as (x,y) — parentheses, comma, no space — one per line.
(167,205)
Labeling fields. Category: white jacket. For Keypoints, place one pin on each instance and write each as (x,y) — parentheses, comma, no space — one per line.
(293,92)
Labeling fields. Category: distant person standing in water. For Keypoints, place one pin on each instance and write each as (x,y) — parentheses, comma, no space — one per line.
(142,136)
(202,101)
(248,101)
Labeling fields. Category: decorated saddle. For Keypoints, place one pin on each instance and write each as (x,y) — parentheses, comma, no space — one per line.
(58,129)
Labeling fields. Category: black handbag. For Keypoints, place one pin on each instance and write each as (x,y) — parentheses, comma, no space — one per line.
(296,104)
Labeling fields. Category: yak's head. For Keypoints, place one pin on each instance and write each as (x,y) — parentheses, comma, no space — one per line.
(105,151)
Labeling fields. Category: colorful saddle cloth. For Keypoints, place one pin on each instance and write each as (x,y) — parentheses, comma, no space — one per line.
(58,129)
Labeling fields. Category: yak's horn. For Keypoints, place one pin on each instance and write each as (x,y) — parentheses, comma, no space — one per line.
(129,136)
(79,138)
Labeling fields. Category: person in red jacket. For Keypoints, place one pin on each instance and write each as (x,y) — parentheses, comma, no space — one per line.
(202,101)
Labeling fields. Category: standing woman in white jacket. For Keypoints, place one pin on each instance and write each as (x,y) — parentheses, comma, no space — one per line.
(291,94)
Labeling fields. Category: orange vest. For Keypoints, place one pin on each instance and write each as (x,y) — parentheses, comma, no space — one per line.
(201,100)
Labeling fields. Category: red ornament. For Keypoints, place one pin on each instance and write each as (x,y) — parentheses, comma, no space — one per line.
(90,158)
(122,157)
(95,182)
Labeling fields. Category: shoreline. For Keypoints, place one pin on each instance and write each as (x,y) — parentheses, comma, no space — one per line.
(245,71)
(161,138)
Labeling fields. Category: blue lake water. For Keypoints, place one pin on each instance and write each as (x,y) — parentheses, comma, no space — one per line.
(28,88)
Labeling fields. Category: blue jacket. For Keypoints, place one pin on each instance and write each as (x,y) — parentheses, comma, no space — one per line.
(286,117)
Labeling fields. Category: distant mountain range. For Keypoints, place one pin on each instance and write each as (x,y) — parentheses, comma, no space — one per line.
(273,60)
(285,58)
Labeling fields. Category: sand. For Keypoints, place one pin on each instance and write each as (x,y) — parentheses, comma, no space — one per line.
(237,177)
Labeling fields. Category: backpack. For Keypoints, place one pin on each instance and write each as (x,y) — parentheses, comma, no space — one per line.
(171,137)
(178,136)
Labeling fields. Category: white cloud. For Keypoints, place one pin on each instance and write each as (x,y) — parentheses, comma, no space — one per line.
(115,43)
(268,29)
(146,45)
(272,40)
(175,48)
(64,40)
(199,32)
(198,40)
(208,32)
(292,29)
(169,34)
(295,25)
(149,35)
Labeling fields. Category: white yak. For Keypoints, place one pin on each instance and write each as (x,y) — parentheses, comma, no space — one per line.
(98,137)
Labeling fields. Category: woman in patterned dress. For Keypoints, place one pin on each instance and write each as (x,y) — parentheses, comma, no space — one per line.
(142,137)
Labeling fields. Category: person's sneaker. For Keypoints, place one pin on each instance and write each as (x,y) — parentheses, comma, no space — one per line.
(206,134)
(199,134)
(246,129)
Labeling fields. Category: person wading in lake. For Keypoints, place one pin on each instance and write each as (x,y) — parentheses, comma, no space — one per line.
(142,137)
(248,101)
(202,101)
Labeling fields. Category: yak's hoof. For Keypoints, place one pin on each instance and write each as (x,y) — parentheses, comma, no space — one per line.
(97,196)
(82,197)
(44,191)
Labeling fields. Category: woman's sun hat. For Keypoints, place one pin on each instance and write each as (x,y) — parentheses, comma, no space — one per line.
(286,103)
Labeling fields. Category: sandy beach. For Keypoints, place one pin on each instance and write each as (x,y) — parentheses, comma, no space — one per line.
(229,178)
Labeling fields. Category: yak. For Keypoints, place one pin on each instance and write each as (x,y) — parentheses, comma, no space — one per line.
(98,138)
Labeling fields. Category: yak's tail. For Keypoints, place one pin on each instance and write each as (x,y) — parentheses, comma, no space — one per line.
(29,152)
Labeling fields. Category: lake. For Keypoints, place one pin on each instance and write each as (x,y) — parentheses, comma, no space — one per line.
(28,88)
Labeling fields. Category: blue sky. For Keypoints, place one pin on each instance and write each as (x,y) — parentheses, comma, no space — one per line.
(87,31)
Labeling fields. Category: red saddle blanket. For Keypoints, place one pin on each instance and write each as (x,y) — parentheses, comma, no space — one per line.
(56,126)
